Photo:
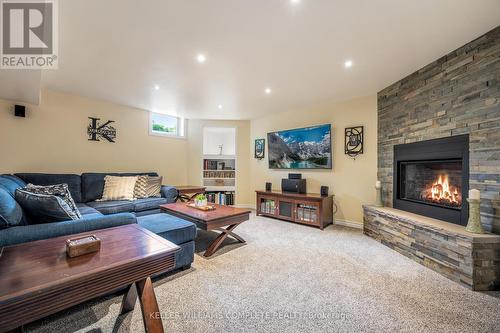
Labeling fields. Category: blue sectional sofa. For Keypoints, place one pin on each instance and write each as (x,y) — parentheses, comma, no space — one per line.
(85,190)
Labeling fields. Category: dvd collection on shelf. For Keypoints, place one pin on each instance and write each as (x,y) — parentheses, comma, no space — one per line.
(307,213)
(218,174)
(268,206)
(221,198)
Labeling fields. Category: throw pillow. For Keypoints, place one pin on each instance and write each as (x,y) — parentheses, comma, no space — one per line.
(118,188)
(44,208)
(11,214)
(60,190)
(153,187)
(140,187)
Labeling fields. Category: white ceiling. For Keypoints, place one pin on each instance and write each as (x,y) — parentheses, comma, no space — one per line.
(118,50)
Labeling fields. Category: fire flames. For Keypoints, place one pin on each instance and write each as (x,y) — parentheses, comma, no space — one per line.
(441,192)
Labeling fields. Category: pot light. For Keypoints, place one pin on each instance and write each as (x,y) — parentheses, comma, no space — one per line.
(268,91)
(157,87)
(295,2)
(219,106)
(201,58)
(348,64)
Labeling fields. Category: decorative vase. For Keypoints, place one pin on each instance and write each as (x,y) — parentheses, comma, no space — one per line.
(378,200)
(474,224)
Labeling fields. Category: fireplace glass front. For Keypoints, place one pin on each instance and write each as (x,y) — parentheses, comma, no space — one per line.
(436,182)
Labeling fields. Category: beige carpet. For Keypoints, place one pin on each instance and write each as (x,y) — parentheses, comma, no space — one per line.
(292,278)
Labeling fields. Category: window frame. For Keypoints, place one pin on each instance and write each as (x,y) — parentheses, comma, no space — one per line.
(181,126)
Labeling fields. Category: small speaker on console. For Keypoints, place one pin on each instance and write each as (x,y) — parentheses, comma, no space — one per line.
(324,191)
(269,187)
(20,111)
(294,176)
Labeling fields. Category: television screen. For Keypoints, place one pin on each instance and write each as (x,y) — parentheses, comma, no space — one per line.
(302,148)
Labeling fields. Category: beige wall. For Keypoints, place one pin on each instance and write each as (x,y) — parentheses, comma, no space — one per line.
(195,153)
(52,138)
(352,181)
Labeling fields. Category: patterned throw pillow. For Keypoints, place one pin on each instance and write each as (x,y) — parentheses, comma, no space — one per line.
(118,188)
(59,190)
(140,187)
(44,208)
(153,188)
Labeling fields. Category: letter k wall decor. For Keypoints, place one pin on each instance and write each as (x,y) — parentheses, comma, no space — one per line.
(98,131)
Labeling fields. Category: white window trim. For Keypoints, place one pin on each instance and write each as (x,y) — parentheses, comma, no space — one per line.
(167,135)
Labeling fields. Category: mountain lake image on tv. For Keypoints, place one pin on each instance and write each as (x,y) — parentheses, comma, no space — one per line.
(302,148)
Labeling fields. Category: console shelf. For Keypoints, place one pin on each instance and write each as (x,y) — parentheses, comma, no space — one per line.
(310,209)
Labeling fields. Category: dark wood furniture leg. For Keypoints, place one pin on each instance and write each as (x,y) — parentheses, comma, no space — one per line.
(129,299)
(150,312)
(222,236)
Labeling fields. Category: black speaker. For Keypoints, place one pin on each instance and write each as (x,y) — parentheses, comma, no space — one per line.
(20,111)
(269,187)
(293,185)
(324,191)
(294,176)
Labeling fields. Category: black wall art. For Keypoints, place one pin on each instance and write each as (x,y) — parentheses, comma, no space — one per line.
(97,130)
(260,145)
(354,141)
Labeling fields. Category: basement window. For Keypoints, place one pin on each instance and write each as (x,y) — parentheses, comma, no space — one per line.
(166,125)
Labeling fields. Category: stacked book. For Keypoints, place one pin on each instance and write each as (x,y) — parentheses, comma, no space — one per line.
(221,198)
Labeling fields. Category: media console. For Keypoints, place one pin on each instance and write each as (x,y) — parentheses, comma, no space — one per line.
(310,209)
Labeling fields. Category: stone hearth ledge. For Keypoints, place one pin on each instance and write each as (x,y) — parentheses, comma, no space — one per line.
(473,260)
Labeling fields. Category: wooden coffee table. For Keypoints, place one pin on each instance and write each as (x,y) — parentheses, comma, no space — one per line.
(222,216)
(37,279)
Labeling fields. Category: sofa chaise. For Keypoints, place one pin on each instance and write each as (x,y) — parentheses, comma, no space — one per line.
(86,189)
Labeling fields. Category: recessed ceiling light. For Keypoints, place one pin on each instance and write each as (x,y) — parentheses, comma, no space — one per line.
(268,91)
(295,1)
(348,64)
(201,58)
(157,87)
(219,106)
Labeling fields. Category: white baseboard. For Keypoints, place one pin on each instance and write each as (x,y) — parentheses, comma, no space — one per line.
(349,224)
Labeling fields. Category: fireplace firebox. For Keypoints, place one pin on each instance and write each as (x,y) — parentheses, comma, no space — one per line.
(431,178)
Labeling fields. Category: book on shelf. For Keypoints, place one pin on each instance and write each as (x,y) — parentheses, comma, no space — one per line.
(221,198)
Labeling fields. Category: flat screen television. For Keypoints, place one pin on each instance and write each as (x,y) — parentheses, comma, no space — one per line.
(301,148)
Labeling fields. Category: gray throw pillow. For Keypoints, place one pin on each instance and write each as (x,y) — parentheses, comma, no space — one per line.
(153,187)
(59,190)
(44,208)
(148,187)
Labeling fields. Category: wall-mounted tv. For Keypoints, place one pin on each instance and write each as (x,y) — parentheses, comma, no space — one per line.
(302,148)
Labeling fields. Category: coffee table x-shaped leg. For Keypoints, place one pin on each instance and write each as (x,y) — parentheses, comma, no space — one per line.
(222,236)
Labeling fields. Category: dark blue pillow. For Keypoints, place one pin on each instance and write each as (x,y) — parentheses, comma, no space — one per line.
(43,208)
(11,213)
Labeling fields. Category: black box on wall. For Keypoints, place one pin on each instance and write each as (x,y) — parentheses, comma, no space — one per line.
(20,111)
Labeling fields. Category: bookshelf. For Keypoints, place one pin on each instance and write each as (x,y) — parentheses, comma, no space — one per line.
(219,170)
(219,178)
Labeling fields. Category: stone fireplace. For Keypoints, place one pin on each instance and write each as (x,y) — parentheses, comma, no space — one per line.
(432,178)
(438,137)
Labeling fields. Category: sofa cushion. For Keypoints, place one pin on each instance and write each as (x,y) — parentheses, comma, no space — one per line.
(11,183)
(112,207)
(171,228)
(43,208)
(74,181)
(141,205)
(118,188)
(11,213)
(93,183)
(87,211)
(59,190)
